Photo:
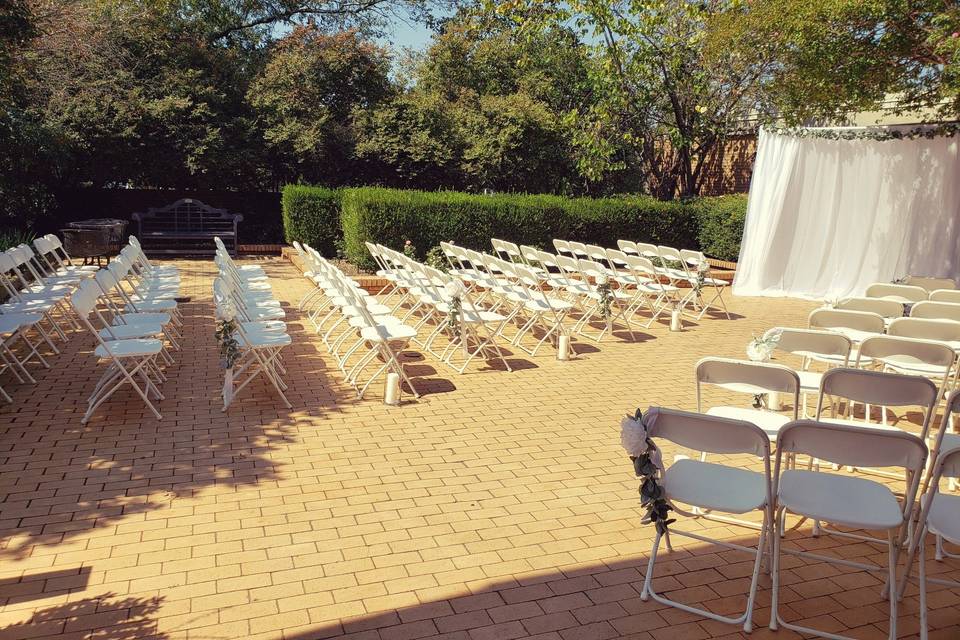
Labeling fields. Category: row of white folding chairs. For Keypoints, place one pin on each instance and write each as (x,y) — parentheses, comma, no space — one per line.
(341,310)
(428,295)
(35,310)
(130,308)
(861,325)
(912,293)
(686,283)
(709,488)
(244,294)
(519,291)
(638,289)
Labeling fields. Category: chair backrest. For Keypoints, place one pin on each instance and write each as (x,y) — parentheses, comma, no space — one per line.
(529,254)
(562,246)
(648,250)
(596,252)
(84,299)
(643,267)
(945,295)
(743,376)
(547,260)
(896,292)
(841,319)
(568,265)
(877,388)
(936,310)
(503,246)
(628,246)
(710,434)
(853,445)
(907,351)
(671,254)
(692,258)
(930,283)
(618,260)
(592,268)
(925,329)
(812,342)
(880,306)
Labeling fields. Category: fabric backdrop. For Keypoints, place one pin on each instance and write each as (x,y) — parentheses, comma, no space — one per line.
(826,218)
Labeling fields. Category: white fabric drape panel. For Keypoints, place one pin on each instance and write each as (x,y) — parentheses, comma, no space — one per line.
(826,218)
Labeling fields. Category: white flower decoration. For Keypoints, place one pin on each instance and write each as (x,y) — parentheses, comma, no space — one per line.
(226,311)
(454,289)
(633,436)
(602,280)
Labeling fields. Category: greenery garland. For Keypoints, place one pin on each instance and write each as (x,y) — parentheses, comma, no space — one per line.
(229,347)
(647,465)
(877,134)
(606,296)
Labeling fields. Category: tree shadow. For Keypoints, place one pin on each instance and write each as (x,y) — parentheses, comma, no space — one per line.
(105,617)
(64,479)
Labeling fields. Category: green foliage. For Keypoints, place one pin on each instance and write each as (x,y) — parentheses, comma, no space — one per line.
(720,222)
(13,237)
(305,95)
(833,58)
(391,217)
(312,215)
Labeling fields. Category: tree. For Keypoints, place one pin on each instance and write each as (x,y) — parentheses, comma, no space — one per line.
(411,141)
(305,97)
(659,101)
(831,58)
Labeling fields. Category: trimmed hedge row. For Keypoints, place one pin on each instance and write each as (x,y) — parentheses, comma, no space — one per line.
(312,215)
(392,216)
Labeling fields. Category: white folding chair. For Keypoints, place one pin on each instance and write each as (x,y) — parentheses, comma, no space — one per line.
(856,325)
(754,379)
(945,295)
(940,516)
(707,486)
(131,361)
(888,309)
(843,500)
(930,283)
(933,310)
(811,346)
(900,292)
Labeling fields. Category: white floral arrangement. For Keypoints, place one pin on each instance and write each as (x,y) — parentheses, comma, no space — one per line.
(648,466)
(454,291)
(761,349)
(605,292)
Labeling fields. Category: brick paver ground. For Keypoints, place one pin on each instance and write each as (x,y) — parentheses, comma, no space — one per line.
(499,506)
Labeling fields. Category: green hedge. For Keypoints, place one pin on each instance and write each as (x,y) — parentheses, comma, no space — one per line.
(721,221)
(312,215)
(393,216)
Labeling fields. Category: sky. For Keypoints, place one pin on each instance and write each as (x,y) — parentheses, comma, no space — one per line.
(412,35)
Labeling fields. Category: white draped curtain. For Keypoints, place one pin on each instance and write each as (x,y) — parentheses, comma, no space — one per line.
(826,218)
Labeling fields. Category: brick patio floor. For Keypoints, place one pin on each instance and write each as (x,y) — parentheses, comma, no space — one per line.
(499,506)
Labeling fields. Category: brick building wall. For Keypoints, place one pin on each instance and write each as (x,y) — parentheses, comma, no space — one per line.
(730,166)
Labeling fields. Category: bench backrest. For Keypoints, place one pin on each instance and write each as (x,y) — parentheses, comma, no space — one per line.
(187,216)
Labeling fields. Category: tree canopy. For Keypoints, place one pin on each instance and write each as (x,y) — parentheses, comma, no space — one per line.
(572,96)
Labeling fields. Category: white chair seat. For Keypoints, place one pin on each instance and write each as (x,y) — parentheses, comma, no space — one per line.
(357,322)
(160,304)
(266,313)
(264,325)
(158,318)
(32,306)
(911,366)
(839,499)
(538,305)
(714,486)
(770,421)
(10,322)
(944,517)
(126,331)
(388,332)
(262,339)
(129,348)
